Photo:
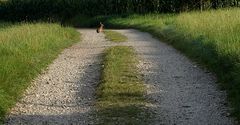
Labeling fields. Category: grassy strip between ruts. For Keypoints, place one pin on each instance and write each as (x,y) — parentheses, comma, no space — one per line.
(114,36)
(25,50)
(210,38)
(121,93)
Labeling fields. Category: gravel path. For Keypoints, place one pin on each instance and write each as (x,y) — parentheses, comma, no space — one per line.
(64,94)
(182,92)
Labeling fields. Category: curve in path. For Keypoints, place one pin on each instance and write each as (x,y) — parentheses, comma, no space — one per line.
(182,92)
(64,94)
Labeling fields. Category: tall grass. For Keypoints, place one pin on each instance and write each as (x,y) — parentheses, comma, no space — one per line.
(212,38)
(26,49)
(218,32)
(4,25)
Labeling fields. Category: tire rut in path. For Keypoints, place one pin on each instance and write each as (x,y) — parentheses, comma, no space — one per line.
(64,94)
(181,92)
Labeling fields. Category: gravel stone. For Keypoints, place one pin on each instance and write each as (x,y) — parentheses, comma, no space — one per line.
(183,93)
(180,91)
(64,93)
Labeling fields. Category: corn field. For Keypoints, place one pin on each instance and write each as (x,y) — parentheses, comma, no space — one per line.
(21,10)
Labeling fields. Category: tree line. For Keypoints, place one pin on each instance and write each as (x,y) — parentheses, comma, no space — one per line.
(19,10)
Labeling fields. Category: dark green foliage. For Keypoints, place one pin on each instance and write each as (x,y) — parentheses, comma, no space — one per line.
(60,10)
(28,10)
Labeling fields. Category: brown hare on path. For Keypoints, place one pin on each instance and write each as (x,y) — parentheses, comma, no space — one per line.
(100,29)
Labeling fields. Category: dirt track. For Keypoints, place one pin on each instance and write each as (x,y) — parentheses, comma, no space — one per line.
(181,92)
(64,94)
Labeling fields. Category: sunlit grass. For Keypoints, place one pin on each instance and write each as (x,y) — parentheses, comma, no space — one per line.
(114,36)
(211,38)
(121,94)
(26,49)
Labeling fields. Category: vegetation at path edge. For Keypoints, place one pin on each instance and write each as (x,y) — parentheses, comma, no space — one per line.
(25,50)
(210,37)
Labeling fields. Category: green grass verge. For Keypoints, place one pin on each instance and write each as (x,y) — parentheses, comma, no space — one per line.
(121,93)
(25,50)
(114,36)
(210,38)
